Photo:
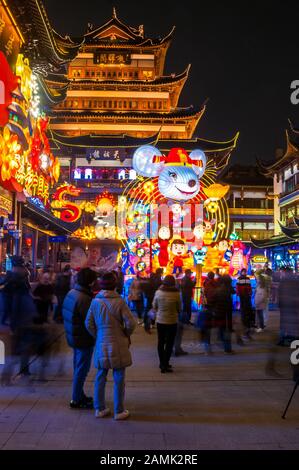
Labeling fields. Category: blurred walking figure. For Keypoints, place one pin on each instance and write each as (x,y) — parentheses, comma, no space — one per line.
(207,314)
(244,291)
(111,323)
(288,300)
(187,286)
(148,288)
(43,295)
(62,287)
(223,309)
(261,298)
(74,310)
(288,294)
(167,304)
(136,297)
(19,313)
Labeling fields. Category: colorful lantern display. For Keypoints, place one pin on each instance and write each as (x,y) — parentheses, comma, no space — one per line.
(64,209)
(26,162)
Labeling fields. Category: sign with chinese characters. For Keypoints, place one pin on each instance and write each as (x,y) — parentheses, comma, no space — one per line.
(106,154)
(33,183)
(113,58)
(5,206)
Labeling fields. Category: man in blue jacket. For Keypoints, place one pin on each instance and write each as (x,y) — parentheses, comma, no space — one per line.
(75,307)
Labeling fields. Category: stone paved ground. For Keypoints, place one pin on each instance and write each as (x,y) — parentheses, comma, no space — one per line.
(217,402)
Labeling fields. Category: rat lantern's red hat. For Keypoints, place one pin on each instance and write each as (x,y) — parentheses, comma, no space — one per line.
(178,157)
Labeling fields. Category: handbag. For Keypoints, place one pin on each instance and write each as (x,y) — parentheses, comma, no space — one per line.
(152,314)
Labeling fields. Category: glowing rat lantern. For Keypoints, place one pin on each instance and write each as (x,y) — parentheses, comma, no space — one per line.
(178,173)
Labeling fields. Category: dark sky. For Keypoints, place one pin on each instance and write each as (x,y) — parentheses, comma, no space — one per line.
(244,56)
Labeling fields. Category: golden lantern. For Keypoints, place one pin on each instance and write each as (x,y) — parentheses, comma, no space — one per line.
(216,191)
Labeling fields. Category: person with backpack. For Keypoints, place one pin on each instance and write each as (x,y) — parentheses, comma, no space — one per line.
(74,311)
(111,323)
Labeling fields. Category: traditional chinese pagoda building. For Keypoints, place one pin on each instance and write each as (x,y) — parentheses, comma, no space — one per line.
(284,246)
(117,99)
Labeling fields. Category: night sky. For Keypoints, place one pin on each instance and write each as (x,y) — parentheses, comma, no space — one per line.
(244,57)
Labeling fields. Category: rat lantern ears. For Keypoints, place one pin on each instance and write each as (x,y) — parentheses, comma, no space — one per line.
(148,161)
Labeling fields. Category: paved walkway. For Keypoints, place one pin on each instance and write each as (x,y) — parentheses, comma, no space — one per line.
(217,402)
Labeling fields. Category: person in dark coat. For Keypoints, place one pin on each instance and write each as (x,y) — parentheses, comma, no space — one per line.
(74,310)
(207,315)
(61,288)
(148,288)
(223,311)
(244,291)
(19,314)
(187,286)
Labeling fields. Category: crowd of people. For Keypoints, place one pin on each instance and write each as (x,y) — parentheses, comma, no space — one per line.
(99,317)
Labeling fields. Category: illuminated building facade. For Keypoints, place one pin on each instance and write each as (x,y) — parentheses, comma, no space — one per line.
(283,246)
(29,49)
(250,202)
(118,99)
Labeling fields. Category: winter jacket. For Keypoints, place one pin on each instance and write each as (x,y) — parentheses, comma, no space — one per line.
(187,286)
(209,288)
(62,285)
(223,307)
(167,304)
(244,287)
(74,311)
(261,296)
(111,323)
(18,305)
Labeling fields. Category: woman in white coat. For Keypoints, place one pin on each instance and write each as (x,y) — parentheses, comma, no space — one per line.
(111,323)
(261,299)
